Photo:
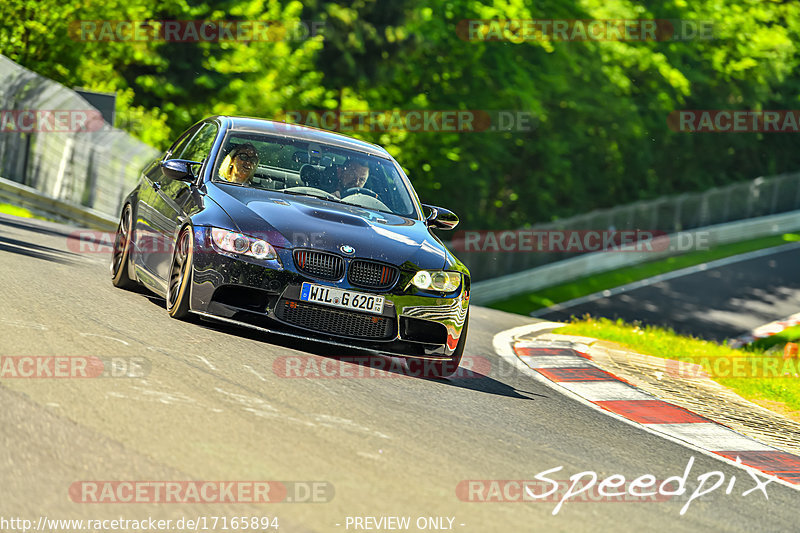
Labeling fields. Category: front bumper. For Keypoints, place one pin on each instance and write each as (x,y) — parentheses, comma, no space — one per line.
(266,295)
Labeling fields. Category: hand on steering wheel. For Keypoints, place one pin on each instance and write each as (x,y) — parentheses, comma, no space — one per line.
(361,190)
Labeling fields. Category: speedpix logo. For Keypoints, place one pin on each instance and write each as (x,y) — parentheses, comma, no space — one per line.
(589,487)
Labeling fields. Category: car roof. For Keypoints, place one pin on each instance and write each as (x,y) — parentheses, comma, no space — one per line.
(304,133)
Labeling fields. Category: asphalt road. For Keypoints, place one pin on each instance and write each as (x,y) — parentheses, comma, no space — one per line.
(712,303)
(213,407)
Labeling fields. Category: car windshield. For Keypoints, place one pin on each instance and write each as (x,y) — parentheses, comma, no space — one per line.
(298,167)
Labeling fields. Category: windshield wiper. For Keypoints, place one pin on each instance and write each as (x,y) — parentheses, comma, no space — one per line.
(328,196)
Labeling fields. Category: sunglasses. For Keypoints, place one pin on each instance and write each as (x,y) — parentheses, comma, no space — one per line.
(248,158)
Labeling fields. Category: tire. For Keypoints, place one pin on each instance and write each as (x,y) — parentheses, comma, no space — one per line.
(180,275)
(120,255)
(440,369)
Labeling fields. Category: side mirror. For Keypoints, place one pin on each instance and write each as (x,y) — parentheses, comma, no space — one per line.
(440,218)
(178,169)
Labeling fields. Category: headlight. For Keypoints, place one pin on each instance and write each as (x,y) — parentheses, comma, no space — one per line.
(437,280)
(237,243)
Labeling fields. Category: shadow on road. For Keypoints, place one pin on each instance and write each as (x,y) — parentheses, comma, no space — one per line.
(35,251)
(476,373)
(35,226)
(353,363)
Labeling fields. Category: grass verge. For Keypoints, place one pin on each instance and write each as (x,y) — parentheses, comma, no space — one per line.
(755,373)
(779,339)
(524,304)
(9,209)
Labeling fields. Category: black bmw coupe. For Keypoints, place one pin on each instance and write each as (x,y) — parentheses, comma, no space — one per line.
(298,231)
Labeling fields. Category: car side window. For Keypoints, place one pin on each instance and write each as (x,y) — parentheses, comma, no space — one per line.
(176,149)
(200,145)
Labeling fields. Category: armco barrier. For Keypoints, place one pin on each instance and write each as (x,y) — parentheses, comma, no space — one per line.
(94,167)
(36,201)
(759,197)
(483,292)
(488,291)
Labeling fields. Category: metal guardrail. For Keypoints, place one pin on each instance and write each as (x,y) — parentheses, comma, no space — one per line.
(488,291)
(40,203)
(738,201)
(483,292)
(94,167)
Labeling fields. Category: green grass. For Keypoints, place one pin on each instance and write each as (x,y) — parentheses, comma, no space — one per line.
(9,209)
(524,304)
(762,375)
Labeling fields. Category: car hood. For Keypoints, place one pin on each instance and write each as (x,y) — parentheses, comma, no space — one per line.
(290,221)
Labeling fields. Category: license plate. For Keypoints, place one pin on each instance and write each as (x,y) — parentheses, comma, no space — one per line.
(356,301)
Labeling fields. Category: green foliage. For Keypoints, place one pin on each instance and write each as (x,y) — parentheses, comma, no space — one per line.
(601,136)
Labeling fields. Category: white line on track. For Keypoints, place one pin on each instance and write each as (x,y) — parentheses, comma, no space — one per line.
(206,361)
(19,324)
(603,391)
(105,337)
(725,261)
(256,374)
(711,434)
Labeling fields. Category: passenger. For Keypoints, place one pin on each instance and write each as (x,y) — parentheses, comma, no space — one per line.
(239,165)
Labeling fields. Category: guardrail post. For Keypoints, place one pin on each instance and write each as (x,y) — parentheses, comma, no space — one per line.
(775,188)
(90,182)
(26,157)
(66,155)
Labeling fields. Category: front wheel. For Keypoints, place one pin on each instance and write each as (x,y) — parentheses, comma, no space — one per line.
(180,275)
(440,369)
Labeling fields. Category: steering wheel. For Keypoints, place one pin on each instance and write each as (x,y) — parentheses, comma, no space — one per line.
(360,190)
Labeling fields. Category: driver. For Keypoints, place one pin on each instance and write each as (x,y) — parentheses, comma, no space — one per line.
(353,173)
(239,165)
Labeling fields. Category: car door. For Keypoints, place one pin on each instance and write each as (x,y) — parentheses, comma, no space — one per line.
(176,200)
(149,250)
